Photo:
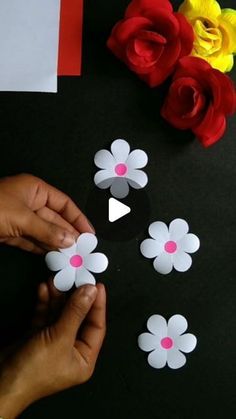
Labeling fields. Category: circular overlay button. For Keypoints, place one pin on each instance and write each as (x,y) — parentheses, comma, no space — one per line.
(126,227)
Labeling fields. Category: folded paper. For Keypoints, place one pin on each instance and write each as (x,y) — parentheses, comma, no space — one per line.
(29,36)
(170,246)
(120,169)
(76,263)
(166,342)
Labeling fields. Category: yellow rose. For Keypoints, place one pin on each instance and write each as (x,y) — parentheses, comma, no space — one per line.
(215,32)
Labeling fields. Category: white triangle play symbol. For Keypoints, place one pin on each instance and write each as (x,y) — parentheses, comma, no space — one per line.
(117,210)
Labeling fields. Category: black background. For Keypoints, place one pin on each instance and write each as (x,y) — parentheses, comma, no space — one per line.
(55,137)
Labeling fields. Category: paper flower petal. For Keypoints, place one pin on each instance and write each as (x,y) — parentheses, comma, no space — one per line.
(148,342)
(177,325)
(178,228)
(157,325)
(120,150)
(182,261)
(151,248)
(84,277)
(104,178)
(137,159)
(186,343)
(64,280)
(120,188)
(159,231)
(69,251)
(96,262)
(86,243)
(163,263)
(56,261)
(175,359)
(157,358)
(104,160)
(137,179)
(189,243)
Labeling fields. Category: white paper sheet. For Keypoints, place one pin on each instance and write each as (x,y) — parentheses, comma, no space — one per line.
(29,37)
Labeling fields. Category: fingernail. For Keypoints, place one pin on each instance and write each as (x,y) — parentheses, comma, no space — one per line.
(68,240)
(88,291)
(91,225)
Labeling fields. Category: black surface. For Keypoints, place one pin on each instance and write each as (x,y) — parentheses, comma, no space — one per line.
(56,137)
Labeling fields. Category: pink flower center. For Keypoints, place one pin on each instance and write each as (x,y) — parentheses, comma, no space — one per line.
(170,247)
(76,261)
(167,343)
(121,169)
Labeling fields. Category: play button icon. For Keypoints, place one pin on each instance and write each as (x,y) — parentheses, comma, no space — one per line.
(118,220)
(117,210)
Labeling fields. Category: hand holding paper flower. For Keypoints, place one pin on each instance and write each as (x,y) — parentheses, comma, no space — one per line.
(151,38)
(76,263)
(215,32)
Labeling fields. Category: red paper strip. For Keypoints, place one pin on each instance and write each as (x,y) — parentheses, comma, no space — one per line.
(70,44)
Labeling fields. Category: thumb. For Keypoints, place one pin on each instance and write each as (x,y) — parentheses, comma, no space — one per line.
(75,311)
(47,233)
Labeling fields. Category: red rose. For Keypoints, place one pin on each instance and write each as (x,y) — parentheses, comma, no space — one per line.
(151,39)
(199,99)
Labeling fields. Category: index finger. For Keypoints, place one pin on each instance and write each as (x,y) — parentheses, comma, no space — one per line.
(63,205)
(94,329)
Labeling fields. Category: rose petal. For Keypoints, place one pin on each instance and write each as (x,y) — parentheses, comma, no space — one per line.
(56,261)
(84,277)
(194,67)
(158,75)
(174,108)
(148,342)
(224,92)
(157,359)
(64,280)
(163,263)
(177,325)
(186,35)
(195,8)
(96,262)
(139,7)
(157,325)
(175,359)
(86,243)
(186,343)
(127,28)
(212,128)
(164,23)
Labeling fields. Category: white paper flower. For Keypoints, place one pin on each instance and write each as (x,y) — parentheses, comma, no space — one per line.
(120,169)
(76,262)
(170,247)
(166,342)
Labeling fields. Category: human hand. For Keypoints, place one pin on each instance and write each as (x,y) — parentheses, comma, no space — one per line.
(59,356)
(35,216)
